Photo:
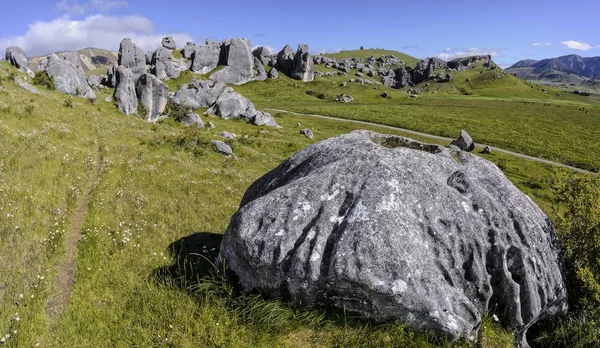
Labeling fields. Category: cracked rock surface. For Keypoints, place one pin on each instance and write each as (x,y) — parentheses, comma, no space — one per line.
(396,230)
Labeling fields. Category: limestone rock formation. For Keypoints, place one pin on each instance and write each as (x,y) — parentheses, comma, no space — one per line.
(68,79)
(125,94)
(192,119)
(188,50)
(258,72)
(394,230)
(16,57)
(222,148)
(133,58)
(26,86)
(263,119)
(285,60)
(239,62)
(273,73)
(263,55)
(231,106)
(303,65)
(153,94)
(163,65)
(199,94)
(464,142)
(205,58)
(169,43)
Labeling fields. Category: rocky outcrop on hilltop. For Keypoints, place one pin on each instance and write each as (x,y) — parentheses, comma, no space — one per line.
(303,65)
(125,95)
(67,78)
(133,58)
(238,62)
(16,57)
(352,223)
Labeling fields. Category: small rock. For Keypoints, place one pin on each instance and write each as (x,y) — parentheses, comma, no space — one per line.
(464,142)
(307,133)
(344,98)
(227,135)
(414,96)
(192,119)
(222,148)
(487,150)
(384,95)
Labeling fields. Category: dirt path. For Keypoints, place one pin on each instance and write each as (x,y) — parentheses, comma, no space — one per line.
(437,137)
(65,278)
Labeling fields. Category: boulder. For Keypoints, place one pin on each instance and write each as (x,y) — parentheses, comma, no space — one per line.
(263,119)
(16,57)
(303,65)
(163,65)
(125,95)
(344,98)
(192,119)
(26,86)
(188,50)
(273,73)
(199,94)
(133,58)
(227,135)
(263,55)
(258,72)
(73,57)
(95,81)
(169,43)
(464,142)
(149,56)
(205,58)
(231,105)
(111,76)
(448,78)
(487,150)
(394,230)
(68,79)
(239,63)
(285,60)
(222,148)
(307,133)
(153,94)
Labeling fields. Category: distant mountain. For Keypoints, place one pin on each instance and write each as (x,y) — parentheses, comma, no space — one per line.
(565,69)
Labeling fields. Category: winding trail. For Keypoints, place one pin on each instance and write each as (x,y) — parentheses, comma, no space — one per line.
(437,137)
(67,265)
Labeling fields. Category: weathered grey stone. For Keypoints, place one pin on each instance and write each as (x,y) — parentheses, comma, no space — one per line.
(258,72)
(109,99)
(26,86)
(285,60)
(153,94)
(199,94)
(263,55)
(192,119)
(149,56)
(464,142)
(169,43)
(73,57)
(125,94)
(394,230)
(211,125)
(133,58)
(67,79)
(307,133)
(205,58)
(303,65)
(222,148)
(16,57)
(240,63)
(111,76)
(487,150)
(95,81)
(263,119)
(188,50)
(344,98)
(273,73)
(227,135)
(163,65)
(231,105)
(448,77)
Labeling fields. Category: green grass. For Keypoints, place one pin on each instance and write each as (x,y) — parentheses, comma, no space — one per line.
(408,60)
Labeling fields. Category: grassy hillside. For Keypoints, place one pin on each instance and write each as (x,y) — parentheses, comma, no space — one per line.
(159,183)
(409,60)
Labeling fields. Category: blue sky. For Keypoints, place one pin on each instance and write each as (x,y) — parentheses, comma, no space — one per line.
(510,30)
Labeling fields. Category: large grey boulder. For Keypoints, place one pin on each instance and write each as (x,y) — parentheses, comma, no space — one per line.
(73,57)
(163,65)
(187,51)
(222,148)
(263,55)
(231,105)
(192,119)
(68,79)
(239,63)
(16,57)
(125,94)
(464,142)
(133,58)
(111,76)
(169,43)
(149,57)
(303,65)
(397,231)
(205,58)
(258,72)
(273,73)
(285,60)
(199,94)
(263,119)
(153,94)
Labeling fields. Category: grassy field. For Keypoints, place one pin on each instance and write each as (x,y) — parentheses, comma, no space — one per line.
(376,53)
(160,183)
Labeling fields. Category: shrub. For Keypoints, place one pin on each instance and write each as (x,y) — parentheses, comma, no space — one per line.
(41,78)
(68,103)
(177,111)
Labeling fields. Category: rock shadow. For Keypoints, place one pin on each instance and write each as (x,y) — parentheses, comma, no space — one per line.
(193,259)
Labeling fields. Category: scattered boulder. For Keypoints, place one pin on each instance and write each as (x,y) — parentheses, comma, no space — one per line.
(95,81)
(352,223)
(464,142)
(448,78)
(239,63)
(163,65)
(169,43)
(205,58)
(111,76)
(188,50)
(273,73)
(384,94)
(263,119)
(125,94)
(153,94)
(307,133)
(227,135)
(263,55)
(68,79)
(231,105)
(344,98)
(285,60)
(414,96)
(26,86)
(133,58)
(487,150)
(199,93)
(192,119)
(16,57)
(303,65)
(258,72)
(222,148)
(73,57)
(149,57)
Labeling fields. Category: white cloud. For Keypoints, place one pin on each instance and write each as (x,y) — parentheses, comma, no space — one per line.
(576,45)
(99,31)
(77,8)
(542,44)
(449,53)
